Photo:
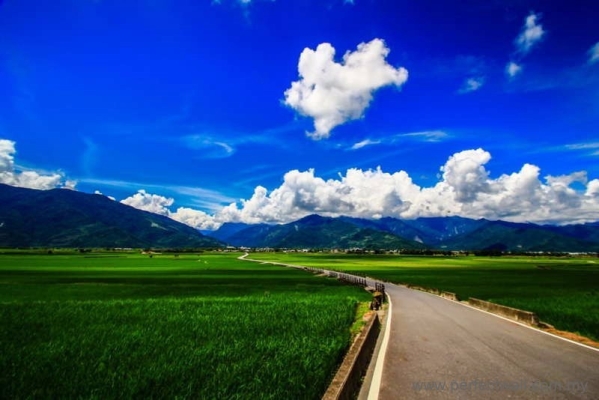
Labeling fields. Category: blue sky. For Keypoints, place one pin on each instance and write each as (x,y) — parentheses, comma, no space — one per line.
(266,111)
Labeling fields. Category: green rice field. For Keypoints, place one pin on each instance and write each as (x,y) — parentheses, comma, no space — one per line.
(124,325)
(562,291)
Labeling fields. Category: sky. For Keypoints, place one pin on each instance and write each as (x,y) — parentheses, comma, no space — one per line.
(265,111)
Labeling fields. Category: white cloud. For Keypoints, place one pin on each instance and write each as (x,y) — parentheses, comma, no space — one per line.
(158,204)
(583,146)
(69,184)
(592,147)
(427,136)
(31,179)
(333,93)
(472,84)
(593,189)
(204,198)
(512,69)
(195,218)
(594,53)
(532,32)
(208,147)
(364,143)
(102,194)
(465,188)
(149,202)
(422,136)
(466,174)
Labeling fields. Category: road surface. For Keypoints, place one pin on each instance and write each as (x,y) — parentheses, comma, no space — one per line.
(441,349)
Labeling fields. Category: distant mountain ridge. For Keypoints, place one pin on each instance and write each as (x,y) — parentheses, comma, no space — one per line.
(450,233)
(67,218)
(314,231)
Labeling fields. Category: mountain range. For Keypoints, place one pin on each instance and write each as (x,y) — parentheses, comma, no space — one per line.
(313,231)
(447,233)
(67,218)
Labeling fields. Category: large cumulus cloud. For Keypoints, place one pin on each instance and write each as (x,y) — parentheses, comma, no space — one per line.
(465,188)
(333,93)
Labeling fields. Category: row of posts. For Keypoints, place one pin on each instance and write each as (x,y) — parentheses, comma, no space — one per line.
(354,280)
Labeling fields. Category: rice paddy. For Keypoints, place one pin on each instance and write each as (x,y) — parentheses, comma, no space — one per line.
(189,326)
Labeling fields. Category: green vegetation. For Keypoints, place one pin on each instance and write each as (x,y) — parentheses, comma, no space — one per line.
(562,291)
(315,231)
(418,235)
(187,326)
(69,218)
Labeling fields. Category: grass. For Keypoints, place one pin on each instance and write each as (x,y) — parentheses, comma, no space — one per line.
(562,291)
(206,326)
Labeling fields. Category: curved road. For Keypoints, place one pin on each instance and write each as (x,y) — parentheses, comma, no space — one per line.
(442,349)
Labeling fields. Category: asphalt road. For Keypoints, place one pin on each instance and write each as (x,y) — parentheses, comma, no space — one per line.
(443,349)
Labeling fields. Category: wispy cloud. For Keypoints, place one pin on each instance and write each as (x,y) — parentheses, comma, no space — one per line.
(364,143)
(422,136)
(472,84)
(208,147)
(89,156)
(254,175)
(203,198)
(583,146)
(576,77)
(594,53)
(512,69)
(427,136)
(532,32)
(591,148)
(225,143)
(242,2)
(472,70)
(586,149)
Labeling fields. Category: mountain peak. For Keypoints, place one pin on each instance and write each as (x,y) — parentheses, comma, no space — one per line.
(67,218)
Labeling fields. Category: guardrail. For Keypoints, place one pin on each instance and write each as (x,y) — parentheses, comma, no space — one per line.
(509,312)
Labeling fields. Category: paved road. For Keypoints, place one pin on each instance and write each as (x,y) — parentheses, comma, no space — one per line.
(459,352)
(444,350)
